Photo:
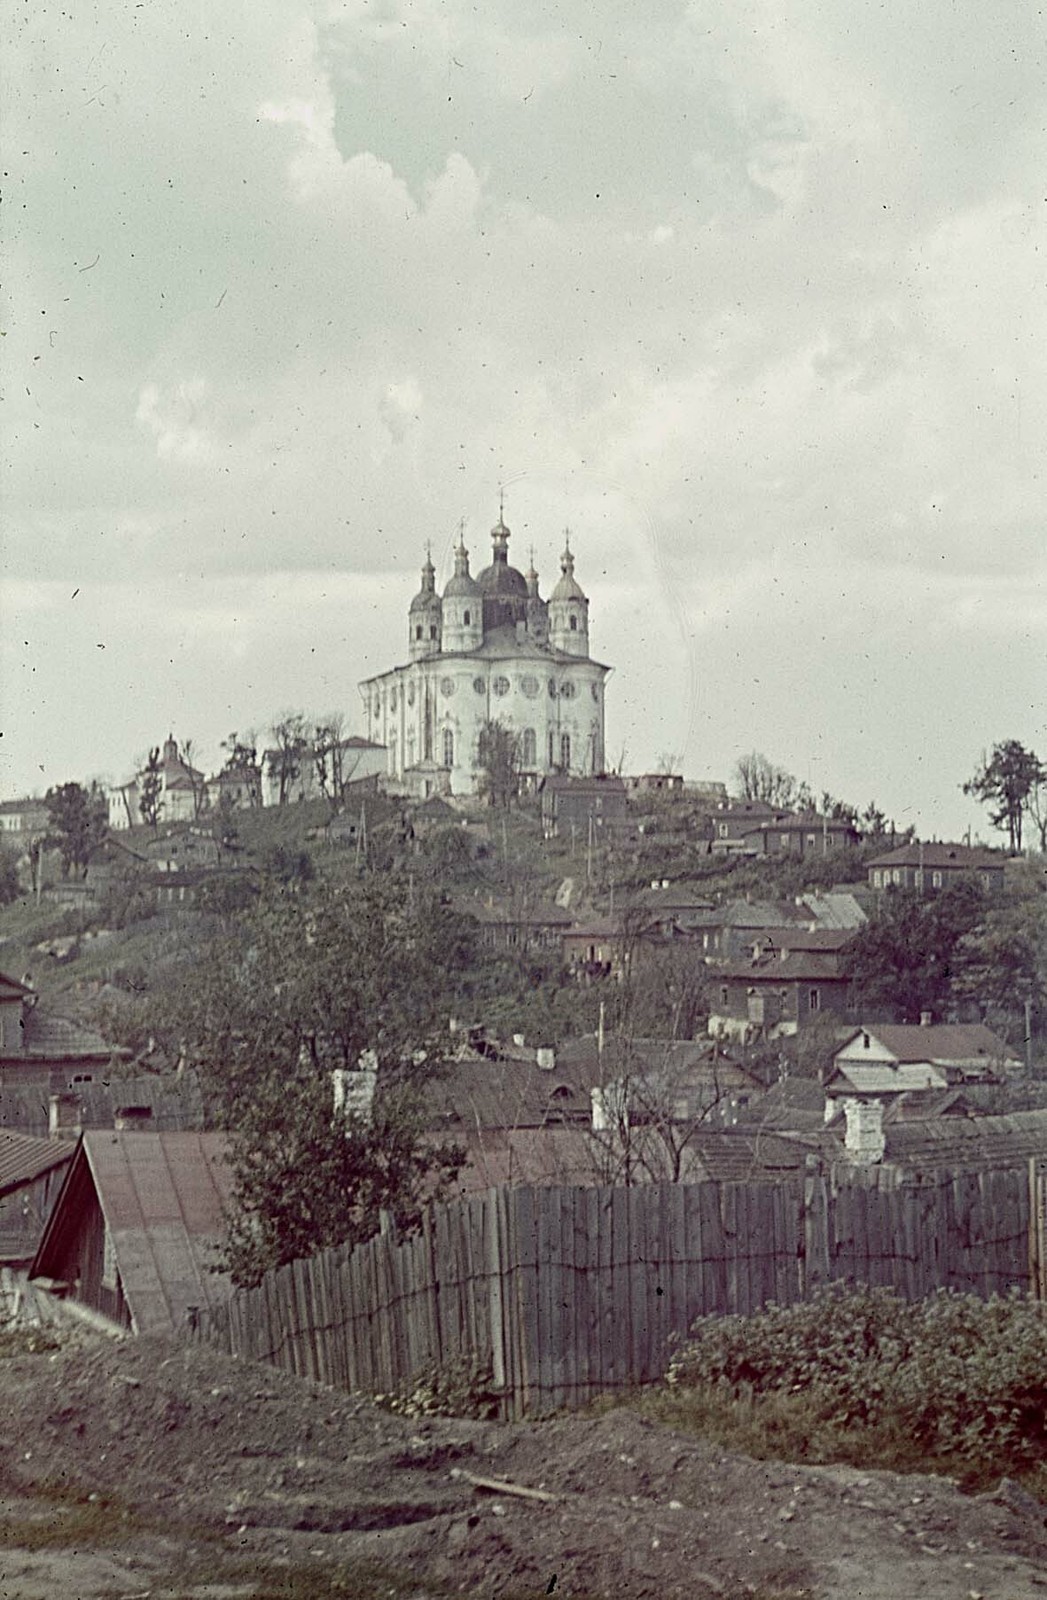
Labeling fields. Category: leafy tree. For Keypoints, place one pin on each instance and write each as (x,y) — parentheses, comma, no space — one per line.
(905,958)
(498,757)
(150,800)
(304,985)
(79,822)
(758,779)
(1001,963)
(289,753)
(1007,782)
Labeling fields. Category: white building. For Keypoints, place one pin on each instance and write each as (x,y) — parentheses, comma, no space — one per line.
(182,794)
(490,649)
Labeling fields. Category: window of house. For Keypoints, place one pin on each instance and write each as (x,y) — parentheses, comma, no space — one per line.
(418,631)
(722,829)
(432,630)
(896,876)
(529,748)
(448,747)
(723,994)
(565,751)
(814,999)
(574,623)
(467,618)
(552,749)
(936,880)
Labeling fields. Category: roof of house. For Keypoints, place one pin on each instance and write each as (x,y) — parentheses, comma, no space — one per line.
(885,1077)
(510,1092)
(803,938)
(958,856)
(835,910)
(23,1158)
(175,1103)
(794,1105)
(997,1142)
(807,822)
(163,1198)
(13,988)
(945,1043)
(47,1036)
(599,783)
(801,966)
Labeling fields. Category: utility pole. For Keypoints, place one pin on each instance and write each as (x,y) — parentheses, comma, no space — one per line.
(1028,1035)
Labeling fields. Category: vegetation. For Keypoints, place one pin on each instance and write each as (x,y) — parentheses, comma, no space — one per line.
(499,758)
(79,821)
(151,798)
(951,1383)
(303,992)
(1012,782)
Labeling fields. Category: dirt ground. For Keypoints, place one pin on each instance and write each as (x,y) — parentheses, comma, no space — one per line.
(132,1469)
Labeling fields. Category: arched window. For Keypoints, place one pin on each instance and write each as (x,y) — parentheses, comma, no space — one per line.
(552,748)
(432,630)
(448,747)
(574,623)
(467,618)
(529,748)
(565,751)
(418,631)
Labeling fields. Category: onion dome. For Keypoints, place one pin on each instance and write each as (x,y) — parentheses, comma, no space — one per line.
(427,593)
(568,587)
(462,584)
(504,589)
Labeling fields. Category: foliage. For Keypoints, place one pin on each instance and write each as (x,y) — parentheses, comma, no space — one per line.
(304,984)
(10,887)
(291,868)
(498,758)
(242,764)
(1008,782)
(290,752)
(904,959)
(1002,963)
(960,1378)
(759,779)
(461,1388)
(79,821)
(151,798)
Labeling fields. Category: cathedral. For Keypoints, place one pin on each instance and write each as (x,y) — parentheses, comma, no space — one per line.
(490,649)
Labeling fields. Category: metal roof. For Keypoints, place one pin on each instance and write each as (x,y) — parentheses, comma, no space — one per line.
(23,1158)
(163,1197)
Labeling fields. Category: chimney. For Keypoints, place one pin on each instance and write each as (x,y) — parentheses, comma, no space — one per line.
(132,1119)
(545,1058)
(864,1139)
(926,1018)
(65,1117)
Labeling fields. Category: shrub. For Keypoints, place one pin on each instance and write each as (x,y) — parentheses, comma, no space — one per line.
(956,1376)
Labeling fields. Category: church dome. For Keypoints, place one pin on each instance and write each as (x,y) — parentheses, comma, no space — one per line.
(500,580)
(462,585)
(568,587)
(423,600)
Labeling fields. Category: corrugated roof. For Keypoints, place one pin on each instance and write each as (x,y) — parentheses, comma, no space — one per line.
(163,1198)
(835,910)
(23,1158)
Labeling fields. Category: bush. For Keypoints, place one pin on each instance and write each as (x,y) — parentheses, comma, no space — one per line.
(957,1377)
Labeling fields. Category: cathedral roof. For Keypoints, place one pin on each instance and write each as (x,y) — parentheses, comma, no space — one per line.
(427,595)
(500,580)
(462,584)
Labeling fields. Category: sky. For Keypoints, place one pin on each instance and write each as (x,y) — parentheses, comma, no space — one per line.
(749,294)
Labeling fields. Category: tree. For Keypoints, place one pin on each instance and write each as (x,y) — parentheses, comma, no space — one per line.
(289,754)
(1007,782)
(197,781)
(498,757)
(150,801)
(1000,965)
(242,764)
(79,822)
(328,756)
(758,779)
(303,987)
(10,887)
(904,960)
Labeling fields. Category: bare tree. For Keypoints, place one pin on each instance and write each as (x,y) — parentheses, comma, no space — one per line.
(289,754)
(759,779)
(197,781)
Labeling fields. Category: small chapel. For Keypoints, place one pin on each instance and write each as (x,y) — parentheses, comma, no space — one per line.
(490,649)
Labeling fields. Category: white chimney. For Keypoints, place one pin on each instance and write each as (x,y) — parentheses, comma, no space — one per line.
(354,1091)
(545,1058)
(864,1138)
(64,1116)
(925,1019)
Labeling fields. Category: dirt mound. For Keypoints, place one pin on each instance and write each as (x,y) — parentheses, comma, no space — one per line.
(132,1468)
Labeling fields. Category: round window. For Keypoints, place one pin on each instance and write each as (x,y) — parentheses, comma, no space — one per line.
(595,687)
(446,687)
(552,688)
(410,694)
(500,686)
(478,685)
(529,685)
(567,690)
(392,699)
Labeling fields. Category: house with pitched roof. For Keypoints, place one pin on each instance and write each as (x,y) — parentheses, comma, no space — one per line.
(183,791)
(889,1059)
(136,1229)
(31,1174)
(45,1051)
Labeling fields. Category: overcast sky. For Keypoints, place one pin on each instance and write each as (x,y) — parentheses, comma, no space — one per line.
(748,293)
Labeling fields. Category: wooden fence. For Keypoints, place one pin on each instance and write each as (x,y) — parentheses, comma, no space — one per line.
(563,1294)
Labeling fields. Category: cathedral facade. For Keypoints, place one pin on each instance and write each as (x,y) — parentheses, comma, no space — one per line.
(490,649)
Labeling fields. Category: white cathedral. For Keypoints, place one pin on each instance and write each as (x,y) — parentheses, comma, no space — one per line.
(490,649)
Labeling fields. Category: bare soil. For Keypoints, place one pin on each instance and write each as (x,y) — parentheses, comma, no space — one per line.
(132,1469)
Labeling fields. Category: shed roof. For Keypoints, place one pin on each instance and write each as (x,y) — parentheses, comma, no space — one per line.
(23,1158)
(995,1142)
(163,1197)
(959,857)
(945,1043)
